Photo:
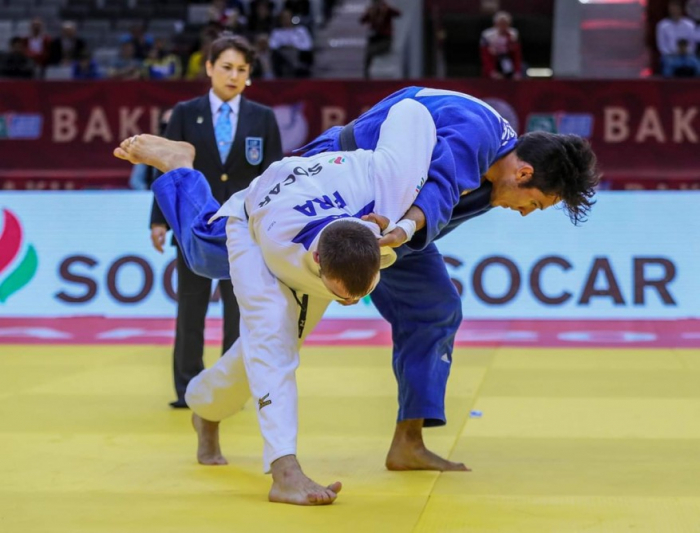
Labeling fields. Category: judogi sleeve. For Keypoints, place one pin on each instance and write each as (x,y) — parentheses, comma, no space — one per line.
(441,192)
(402,157)
(467,144)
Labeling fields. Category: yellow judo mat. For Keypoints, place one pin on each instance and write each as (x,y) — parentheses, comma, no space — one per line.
(568,441)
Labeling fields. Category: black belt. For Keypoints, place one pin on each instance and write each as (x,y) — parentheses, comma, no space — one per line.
(347,138)
(304,304)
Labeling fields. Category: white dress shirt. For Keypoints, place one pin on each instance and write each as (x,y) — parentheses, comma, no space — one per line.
(668,33)
(215,102)
(296,37)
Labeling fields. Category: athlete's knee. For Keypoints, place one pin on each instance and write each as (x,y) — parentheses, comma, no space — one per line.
(213,400)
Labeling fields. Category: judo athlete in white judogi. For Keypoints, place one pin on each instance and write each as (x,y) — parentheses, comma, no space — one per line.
(274,233)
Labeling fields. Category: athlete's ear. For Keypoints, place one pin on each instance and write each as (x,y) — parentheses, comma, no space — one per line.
(317,260)
(524,173)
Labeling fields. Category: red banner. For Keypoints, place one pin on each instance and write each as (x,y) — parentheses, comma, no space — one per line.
(644,132)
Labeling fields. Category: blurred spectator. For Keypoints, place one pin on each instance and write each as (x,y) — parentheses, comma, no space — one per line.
(262,67)
(379,16)
(85,67)
(682,64)
(229,14)
(141,40)
(217,12)
(16,64)
(672,29)
(235,24)
(301,12)
(196,63)
(299,8)
(38,44)
(261,18)
(501,55)
(126,66)
(161,64)
(292,48)
(143,176)
(68,47)
(239,7)
(490,7)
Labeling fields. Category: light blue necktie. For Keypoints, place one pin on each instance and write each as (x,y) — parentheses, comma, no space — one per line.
(223,131)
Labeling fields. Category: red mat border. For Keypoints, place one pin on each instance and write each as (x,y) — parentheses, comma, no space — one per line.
(523,333)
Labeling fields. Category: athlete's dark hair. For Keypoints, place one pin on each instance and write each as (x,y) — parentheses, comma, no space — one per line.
(228,41)
(348,252)
(564,165)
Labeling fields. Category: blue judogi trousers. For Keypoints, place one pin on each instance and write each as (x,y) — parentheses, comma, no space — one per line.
(185,198)
(417,297)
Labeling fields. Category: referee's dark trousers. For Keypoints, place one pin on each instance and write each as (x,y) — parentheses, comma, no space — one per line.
(256,145)
(193,301)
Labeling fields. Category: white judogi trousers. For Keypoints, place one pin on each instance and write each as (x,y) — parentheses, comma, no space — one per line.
(223,389)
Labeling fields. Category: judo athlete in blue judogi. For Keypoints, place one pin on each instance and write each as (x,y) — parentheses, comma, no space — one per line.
(478,163)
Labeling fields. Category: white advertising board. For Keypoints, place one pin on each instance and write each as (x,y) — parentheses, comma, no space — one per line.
(89,253)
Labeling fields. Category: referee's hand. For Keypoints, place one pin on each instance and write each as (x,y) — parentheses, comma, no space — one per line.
(158,232)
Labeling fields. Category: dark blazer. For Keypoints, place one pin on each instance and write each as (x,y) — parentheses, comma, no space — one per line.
(191,121)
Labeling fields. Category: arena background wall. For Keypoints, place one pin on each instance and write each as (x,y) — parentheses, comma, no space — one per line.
(61,135)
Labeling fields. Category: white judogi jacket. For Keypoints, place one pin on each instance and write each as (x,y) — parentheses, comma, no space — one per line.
(289,204)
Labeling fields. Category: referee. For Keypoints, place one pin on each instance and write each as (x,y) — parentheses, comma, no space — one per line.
(235,141)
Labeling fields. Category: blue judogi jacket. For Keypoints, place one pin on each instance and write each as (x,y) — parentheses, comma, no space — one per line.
(472,136)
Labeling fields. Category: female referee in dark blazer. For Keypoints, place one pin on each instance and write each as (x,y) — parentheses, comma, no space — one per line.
(235,140)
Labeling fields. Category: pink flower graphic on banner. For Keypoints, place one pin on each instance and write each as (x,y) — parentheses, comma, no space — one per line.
(14,278)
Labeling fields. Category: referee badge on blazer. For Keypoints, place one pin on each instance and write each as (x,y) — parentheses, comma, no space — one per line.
(254,150)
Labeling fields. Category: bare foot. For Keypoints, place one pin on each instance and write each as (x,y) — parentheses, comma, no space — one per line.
(408,452)
(290,485)
(208,450)
(156,152)
(420,458)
